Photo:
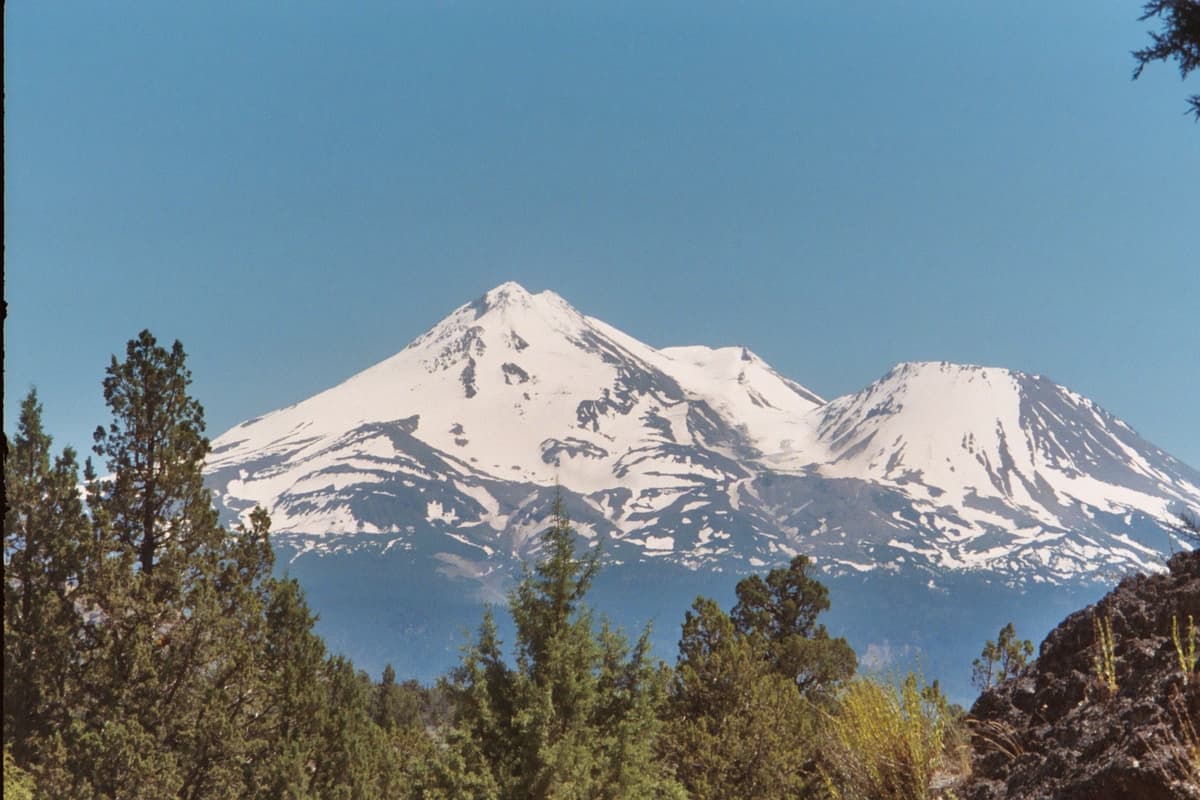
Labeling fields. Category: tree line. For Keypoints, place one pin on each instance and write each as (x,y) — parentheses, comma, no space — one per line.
(151,653)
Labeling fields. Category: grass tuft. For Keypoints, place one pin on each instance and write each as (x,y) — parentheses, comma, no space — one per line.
(1185,647)
(999,736)
(885,742)
(1104,662)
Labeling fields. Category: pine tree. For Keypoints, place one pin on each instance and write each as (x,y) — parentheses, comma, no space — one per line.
(175,624)
(1178,39)
(747,687)
(281,762)
(45,536)
(1001,659)
(353,759)
(397,705)
(148,651)
(780,615)
(738,728)
(156,504)
(484,759)
(577,717)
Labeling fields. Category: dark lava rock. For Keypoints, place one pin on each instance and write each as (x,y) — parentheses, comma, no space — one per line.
(1057,732)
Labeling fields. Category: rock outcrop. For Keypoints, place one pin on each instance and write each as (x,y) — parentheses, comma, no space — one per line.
(1060,730)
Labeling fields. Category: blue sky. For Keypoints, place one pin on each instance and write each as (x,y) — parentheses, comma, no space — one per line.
(838,186)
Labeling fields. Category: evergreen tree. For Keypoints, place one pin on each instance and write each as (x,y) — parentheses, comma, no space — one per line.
(148,652)
(743,700)
(292,661)
(779,615)
(485,756)
(155,503)
(1001,659)
(352,756)
(738,728)
(45,536)
(1177,39)
(577,717)
(175,624)
(398,705)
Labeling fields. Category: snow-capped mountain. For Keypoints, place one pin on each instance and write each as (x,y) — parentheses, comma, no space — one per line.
(693,460)
(700,456)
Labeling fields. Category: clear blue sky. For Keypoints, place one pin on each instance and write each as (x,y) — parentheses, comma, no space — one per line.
(838,186)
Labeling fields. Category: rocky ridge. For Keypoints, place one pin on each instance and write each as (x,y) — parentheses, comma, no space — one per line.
(1058,731)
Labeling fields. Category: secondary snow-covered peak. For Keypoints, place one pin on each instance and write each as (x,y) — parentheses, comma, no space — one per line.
(919,415)
(966,432)
(944,373)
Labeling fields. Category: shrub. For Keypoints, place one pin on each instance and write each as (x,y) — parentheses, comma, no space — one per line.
(18,784)
(884,742)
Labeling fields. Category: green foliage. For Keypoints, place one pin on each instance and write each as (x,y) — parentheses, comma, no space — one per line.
(576,716)
(747,685)
(738,728)
(293,697)
(1001,659)
(45,537)
(18,784)
(1104,662)
(1178,39)
(884,742)
(155,504)
(350,760)
(148,651)
(176,624)
(778,615)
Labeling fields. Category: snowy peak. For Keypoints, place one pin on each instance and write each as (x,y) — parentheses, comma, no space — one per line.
(495,320)
(923,405)
(510,301)
(505,293)
(1006,449)
(513,296)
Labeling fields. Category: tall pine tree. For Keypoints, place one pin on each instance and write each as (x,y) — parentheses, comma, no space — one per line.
(177,622)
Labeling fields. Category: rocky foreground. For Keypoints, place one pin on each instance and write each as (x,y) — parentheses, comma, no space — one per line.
(1063,729)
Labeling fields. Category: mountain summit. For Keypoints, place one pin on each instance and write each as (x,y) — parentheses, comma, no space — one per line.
(694,460)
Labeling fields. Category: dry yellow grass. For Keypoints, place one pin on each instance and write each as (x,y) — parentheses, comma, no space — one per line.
(883,741)
(1104,662)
